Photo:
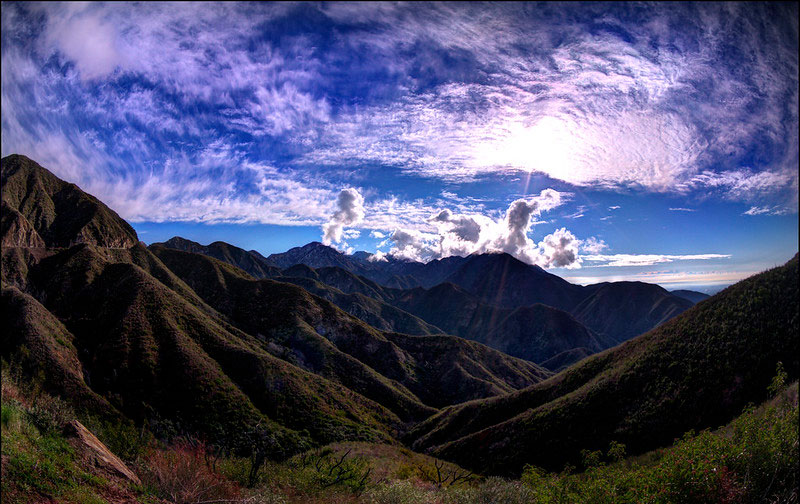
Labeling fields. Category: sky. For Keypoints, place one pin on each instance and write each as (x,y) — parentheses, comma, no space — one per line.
(601,141)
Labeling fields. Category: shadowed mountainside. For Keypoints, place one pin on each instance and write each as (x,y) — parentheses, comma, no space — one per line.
(250,261)
(317,335)
(622,310)
(693,296)
(698,370)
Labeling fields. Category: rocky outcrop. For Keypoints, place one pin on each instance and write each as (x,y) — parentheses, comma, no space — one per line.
(17,231)
(102,458)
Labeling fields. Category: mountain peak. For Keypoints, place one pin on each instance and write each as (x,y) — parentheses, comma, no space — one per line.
(41,210)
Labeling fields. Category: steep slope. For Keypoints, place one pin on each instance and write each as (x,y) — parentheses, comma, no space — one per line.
(151,351)
(380,315)
(41,210)
(696,371)
(502,280)
(307,331)
(539,333)
(622,310)
(690,295)
(252,262)
(320,337)
(535,333)
(49,349)
(450,370)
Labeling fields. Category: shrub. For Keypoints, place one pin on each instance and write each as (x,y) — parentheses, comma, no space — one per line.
(181,475)
(399,492)
(491,491)
(50,414)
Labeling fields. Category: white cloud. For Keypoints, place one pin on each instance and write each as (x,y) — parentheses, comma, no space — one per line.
(614,207)
(377,234)
(378,256)
(646,259)
(559,250)
(464,234)
(766,210)
(349,211)
(593,245)
(412,245)
(84,35)
(680,209)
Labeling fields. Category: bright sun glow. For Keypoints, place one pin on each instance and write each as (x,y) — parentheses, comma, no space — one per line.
(544,146)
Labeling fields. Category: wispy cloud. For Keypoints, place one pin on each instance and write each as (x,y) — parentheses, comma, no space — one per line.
(645,259)
(681,209)
(669,279)
(765,210)
(163,109)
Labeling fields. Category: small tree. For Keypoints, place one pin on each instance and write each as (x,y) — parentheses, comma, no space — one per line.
(778,381)
(616,451)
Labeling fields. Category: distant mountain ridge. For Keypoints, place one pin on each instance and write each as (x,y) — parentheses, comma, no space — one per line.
(693,296)
(250,261)
(491,300)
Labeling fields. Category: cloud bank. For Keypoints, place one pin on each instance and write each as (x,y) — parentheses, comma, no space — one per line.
(464,234)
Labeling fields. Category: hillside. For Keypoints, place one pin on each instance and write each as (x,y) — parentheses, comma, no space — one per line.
(696,371)
(318,336)
(622,310)
(41,210)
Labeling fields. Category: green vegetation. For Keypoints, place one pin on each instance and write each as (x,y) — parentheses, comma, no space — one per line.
(37,459)
(753,459)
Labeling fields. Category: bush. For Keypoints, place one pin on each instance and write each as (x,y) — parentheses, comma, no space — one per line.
(181,475)
(50,414)
(399,492)
(491,491)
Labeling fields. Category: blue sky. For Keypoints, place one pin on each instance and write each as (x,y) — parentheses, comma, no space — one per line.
(654,142)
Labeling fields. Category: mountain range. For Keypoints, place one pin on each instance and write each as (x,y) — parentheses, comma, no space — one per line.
(494,299)
(483,360)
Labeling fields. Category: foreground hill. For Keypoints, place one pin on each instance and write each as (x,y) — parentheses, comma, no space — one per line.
(695,371)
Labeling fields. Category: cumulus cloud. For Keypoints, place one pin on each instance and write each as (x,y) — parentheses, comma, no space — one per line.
(413,245)
(378,256)
(464,234)
(349,211)
(593,245)
(377,234)
(559,250)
